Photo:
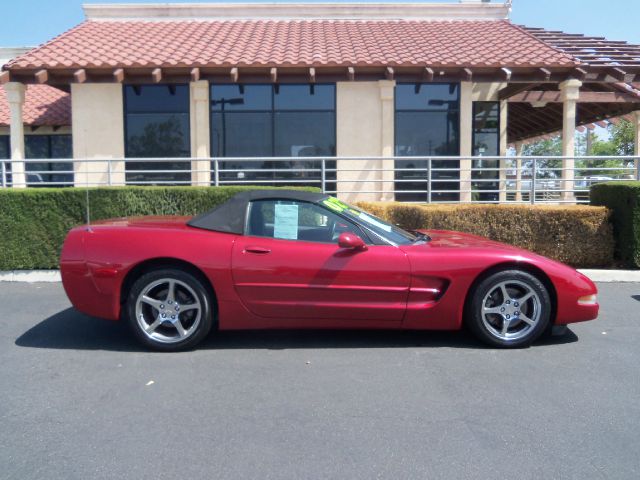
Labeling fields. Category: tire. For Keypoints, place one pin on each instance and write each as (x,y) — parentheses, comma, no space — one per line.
(513,319)
(169,310)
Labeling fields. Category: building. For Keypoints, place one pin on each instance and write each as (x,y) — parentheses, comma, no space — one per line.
(397,98)
(46,116)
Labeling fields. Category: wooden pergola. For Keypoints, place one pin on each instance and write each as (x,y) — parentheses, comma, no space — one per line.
(605,78)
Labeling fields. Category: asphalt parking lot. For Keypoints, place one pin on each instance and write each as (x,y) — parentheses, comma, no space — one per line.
(79,399)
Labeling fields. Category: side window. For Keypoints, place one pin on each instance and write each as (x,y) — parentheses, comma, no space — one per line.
(291,220)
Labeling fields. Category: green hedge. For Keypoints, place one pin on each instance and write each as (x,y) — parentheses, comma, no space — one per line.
(34,222)
(623,198)
(578,235)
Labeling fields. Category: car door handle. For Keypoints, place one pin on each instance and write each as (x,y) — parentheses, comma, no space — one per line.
(258,250)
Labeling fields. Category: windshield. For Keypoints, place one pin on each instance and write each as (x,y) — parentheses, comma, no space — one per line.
(380,227)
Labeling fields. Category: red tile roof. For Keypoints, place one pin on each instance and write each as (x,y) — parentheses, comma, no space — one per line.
(97,44)
(43,106)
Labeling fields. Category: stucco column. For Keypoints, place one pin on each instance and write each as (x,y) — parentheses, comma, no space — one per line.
(97,124)
(504,109)
(15,98)
(570,93)
(358,134)
(636,143)
(200,137)
(387,142)
(466,139)
(519,146)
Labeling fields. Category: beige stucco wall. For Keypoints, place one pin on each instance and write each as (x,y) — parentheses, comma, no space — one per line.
(364,124)
(98,132)
(200,137)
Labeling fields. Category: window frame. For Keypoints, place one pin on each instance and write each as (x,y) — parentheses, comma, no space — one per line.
(126,113)
(399,187)
(272,112)
(397,110)
(362,233)
(474,130)
(165,171)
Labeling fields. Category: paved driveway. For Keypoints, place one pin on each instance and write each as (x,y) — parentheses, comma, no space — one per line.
(79,399)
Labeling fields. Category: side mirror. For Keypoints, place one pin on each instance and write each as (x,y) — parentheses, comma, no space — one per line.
(352,241)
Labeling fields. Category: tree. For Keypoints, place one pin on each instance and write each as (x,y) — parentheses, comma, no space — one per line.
(620,142)
(546,168)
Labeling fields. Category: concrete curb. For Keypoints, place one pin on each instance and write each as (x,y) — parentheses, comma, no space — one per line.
(33,276)
(30,276)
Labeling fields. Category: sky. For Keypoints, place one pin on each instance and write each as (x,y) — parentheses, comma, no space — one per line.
(32,22)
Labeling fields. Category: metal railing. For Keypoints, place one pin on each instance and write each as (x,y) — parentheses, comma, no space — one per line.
(540,179)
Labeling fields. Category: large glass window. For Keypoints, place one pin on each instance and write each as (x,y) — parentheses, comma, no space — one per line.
(427,123)
(48,174)
(486,142)
(42,174)
(273,121)
(157,126)
(5,153)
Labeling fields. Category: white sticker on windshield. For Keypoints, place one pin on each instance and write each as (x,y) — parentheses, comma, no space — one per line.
(285,224)
(373,221)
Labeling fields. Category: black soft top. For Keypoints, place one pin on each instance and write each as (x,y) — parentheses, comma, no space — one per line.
(230,216)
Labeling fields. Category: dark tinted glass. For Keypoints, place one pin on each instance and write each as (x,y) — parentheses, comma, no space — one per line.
(241,134)
(241,97)
(486,142)
(158,135)
(301,123)
(156,98)
(427,96)
(486,128)
(61,146)
(157,125)
(304,134)
(5,153)
(427,133)
(304,97)
(4,146)
(36,146)
(45,147)
(429,125)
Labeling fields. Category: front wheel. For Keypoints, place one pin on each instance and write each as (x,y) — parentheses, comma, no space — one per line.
(511,308)
(169,310)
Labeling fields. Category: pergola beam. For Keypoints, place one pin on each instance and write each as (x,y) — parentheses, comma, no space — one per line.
(312,75)
(273,74)
(555,96)
(515,88)
(80,75)
(618,74)
(195,74)
(118,75)
(389,73)
(156,75)
(428,74)
(351,74)
(233,73)
(41,76)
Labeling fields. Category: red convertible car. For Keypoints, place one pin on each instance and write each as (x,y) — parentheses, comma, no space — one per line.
(292,259)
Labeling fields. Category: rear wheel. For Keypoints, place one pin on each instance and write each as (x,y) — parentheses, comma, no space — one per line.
(169,310)
(511,308)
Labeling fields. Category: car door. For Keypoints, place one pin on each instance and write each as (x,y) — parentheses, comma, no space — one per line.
(290,266)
